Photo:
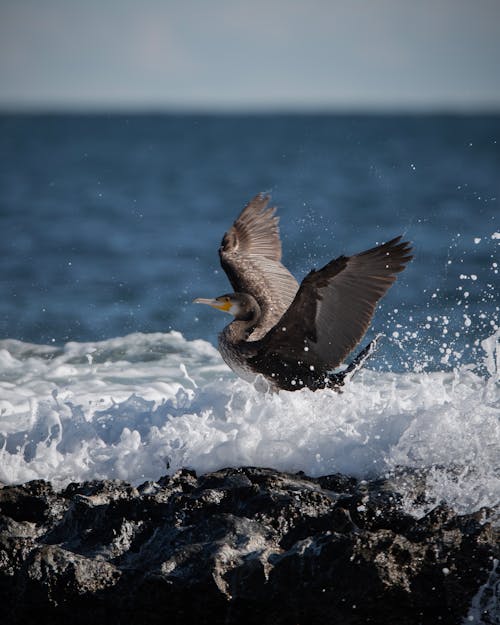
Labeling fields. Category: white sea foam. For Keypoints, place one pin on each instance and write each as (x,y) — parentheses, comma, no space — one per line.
(140,406)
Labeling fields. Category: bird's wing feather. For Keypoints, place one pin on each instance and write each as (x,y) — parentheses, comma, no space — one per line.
(250,254)
(333,307)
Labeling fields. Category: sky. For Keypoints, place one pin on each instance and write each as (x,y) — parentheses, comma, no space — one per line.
(234,55)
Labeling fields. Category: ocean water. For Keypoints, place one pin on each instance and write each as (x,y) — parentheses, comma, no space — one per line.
(110,227)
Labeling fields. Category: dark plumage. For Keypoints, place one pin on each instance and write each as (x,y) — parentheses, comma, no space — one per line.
(295,336)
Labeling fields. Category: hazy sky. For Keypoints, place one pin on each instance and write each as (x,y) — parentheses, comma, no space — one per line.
(231,54)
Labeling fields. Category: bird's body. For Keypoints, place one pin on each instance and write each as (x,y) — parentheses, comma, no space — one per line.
(295,336)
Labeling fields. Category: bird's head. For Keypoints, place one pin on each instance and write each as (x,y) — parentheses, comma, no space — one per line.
(240,305)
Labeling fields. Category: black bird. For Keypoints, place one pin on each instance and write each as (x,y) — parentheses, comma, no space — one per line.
(295,336)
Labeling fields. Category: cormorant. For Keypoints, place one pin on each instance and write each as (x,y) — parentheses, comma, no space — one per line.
(295,336)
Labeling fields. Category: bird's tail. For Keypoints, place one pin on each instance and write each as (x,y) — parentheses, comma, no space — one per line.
(341,377)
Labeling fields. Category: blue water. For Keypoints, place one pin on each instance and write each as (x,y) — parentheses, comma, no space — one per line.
(110,224)
(110,227)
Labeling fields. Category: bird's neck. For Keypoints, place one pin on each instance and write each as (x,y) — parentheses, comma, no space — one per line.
(243,325)
(240,330)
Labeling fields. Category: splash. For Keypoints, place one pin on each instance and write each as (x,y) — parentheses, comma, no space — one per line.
(140,406)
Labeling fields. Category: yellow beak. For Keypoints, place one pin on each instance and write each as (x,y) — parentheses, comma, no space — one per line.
(215,303)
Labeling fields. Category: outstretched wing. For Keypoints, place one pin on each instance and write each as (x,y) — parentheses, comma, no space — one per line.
(250,254)
(334,306)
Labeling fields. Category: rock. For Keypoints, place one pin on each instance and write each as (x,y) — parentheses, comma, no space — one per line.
(240,546)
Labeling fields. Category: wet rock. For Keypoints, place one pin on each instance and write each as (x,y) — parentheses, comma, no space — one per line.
(240,546)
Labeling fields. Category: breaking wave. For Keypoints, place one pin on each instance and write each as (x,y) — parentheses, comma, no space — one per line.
(143,405)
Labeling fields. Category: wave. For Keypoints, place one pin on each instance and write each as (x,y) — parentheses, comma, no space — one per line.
(140,406)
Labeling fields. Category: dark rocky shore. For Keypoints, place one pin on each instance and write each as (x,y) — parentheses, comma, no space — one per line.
(240,546)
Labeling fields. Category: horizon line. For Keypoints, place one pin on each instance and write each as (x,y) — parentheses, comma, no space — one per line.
(444,110)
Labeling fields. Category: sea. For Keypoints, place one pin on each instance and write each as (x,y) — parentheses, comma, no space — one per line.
(110,226)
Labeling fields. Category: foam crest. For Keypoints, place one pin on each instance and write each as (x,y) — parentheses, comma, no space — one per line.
(139,406)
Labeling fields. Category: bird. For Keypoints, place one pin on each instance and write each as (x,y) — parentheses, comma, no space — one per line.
(290,336)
